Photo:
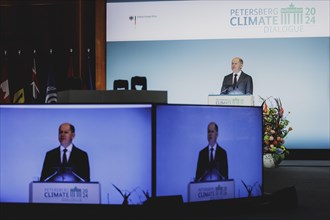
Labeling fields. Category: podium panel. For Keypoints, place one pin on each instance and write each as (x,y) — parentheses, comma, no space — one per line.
(245,100)
(65,192)
(213,190)
(112,96)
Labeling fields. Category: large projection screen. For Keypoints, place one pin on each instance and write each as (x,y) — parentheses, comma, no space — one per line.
(112,135)
(186,47)
(180,137)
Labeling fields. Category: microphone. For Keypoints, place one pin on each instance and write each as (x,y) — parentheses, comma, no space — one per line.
(48,178)
(225,90)
(202,176)
(76,175)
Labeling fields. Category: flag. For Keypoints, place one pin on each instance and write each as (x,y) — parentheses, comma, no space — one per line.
(34,81)
(51,91)
(4,82)
(90,83)
(70,73)
(73,80)
(19,96)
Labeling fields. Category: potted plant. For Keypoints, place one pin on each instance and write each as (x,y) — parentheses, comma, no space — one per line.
(275,130)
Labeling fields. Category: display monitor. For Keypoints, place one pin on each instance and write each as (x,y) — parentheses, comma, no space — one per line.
(117,139)
(182,131)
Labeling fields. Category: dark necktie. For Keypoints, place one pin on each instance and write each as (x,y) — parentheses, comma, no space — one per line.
(235,80)
(65,160)
(211,155)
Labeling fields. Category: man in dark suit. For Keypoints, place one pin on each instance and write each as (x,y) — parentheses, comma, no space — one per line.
(237,82)
(212,160)
(66,155)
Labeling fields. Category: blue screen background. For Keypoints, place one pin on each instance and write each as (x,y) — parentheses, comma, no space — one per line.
(117,140)
(182,133)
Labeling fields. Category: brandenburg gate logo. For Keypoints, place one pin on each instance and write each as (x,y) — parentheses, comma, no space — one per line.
(292,15)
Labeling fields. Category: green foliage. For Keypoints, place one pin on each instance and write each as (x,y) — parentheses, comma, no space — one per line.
(275,129)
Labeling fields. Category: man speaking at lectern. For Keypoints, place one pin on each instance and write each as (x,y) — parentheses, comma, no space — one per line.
(67,155)
(237,82)
(212,160)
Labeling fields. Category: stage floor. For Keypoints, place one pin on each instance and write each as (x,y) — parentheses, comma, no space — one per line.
(309,178)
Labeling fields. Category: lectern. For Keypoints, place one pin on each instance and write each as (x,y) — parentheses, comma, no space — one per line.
(65,192)
(211,190)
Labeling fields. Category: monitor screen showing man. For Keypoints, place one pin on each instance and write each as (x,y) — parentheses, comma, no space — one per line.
(115,142)
(185,135)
